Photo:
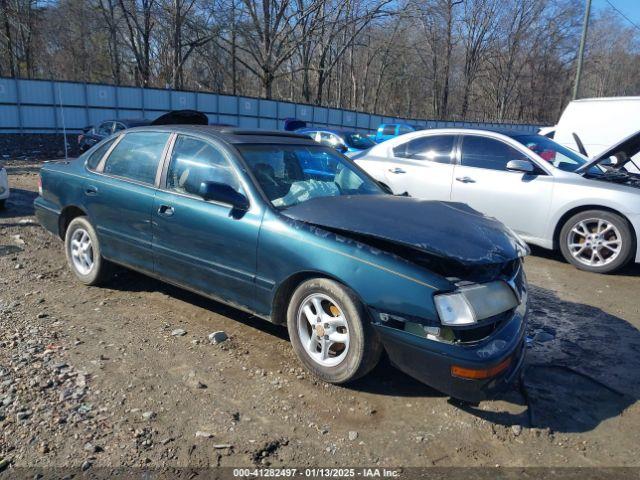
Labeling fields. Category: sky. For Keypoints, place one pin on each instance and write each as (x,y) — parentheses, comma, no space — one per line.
(631,8)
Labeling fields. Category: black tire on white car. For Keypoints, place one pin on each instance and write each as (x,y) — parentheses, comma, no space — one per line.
(597,241)
(330,331)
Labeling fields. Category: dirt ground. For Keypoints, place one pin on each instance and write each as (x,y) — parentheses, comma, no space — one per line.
(94,377)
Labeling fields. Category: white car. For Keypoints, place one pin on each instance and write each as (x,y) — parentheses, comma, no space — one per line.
(550,195)
(4,186)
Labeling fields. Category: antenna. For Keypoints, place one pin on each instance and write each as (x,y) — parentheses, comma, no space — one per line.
(64,129)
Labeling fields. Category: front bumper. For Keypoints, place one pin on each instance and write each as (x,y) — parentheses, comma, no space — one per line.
(430,361)
(4,184)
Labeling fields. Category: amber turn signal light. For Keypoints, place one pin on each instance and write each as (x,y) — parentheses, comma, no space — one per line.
(473,374)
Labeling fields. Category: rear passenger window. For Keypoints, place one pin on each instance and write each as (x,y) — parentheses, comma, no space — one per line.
(482,152)
(137,156)
(434,148)
(194,161)
(96,155)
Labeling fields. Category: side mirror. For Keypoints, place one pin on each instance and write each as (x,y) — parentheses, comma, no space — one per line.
(524,166)
(223,193)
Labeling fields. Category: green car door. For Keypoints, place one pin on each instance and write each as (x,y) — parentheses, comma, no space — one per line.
(204,245)
(119,197)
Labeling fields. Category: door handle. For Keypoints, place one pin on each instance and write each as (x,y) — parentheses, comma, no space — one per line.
(166,210)
(465,179)
(91,191)
(397,170)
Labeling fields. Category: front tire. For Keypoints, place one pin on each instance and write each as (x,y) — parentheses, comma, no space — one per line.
(83,253)
(330,331)
(597,241)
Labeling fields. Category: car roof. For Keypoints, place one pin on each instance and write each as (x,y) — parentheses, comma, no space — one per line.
(509,132)
(235,135)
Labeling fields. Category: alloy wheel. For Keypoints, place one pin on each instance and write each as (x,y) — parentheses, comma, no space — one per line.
(594,242)
(81,251)
(323,330)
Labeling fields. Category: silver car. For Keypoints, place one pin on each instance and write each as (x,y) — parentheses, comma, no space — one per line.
(550,195)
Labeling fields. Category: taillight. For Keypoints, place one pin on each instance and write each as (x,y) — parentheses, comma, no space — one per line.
(40,185)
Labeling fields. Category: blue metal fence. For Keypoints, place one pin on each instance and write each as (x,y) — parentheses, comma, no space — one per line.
(45,106)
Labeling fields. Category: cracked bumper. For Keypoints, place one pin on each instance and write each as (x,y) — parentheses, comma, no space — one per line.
(430,361)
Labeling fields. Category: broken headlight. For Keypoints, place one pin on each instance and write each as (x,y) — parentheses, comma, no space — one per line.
(468,305)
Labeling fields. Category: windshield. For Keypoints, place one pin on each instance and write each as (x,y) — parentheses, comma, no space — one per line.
(359,141)
(292,174)
(554,153)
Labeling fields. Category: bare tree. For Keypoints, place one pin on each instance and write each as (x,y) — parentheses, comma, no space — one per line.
(510,60)
(138,15)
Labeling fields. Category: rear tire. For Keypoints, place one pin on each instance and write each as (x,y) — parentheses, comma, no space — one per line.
(83,253)
(597,241)
(3,203)
(338,343)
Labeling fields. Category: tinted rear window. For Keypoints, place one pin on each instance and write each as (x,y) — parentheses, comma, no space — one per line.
(436,148)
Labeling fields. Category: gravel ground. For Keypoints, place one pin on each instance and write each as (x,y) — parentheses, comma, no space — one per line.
(125,375)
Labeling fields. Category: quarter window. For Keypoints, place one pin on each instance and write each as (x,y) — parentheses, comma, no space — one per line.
(194,161)
(96,155)
(434,148)
(137,156)
(105,128)
(481,152)
(329,139)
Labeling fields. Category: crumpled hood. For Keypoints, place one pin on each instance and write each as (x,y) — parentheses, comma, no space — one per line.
(444,229)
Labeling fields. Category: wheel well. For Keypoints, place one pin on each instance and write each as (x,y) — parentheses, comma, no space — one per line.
(281,298)
(68,214)
(583,208)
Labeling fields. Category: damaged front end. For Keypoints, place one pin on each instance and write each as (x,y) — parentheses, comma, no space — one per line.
(478,305)
(466,353)
(470,345)
(475,349)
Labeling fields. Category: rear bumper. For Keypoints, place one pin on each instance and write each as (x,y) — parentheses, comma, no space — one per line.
(48,215)
(430,361)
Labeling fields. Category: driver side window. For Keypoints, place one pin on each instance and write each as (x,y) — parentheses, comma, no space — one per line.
(482,152)
(194,161)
